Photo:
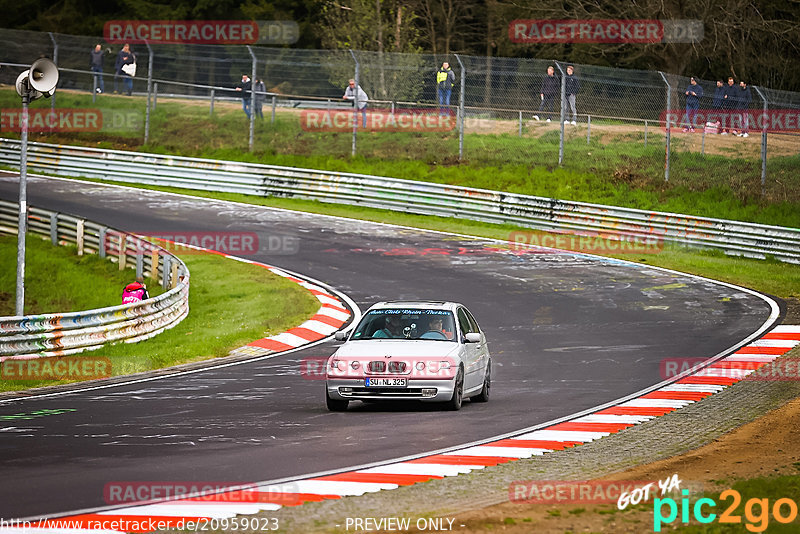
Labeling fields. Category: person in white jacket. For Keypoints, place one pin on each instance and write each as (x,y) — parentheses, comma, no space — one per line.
(359,98)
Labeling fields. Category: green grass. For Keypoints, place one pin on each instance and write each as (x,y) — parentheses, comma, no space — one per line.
(58,280)
(615,169)
(231,303)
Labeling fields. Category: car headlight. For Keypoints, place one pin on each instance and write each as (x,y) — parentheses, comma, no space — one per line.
(354,365)
(337,365)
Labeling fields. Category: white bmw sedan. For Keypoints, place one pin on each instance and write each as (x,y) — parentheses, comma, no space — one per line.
(428,351)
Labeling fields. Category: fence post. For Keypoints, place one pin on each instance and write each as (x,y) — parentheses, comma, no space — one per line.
(252,99)
(165,273)
(520,123)
(149,91)
(155,94)
(55,60)
(645,133)
(588,128)
(94,89)
(154,256)
(139,262)
(274,101)
(703,143)
(561,116)
(763,143)
(669,139)
(355,104)
(461,109)
(211,107)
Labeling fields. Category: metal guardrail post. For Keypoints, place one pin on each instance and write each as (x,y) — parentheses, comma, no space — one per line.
(251,141)
(211,107)
(355,104)
(54,228)
(668,126)
(763,143)
(139,262)
(274,102)
(101,241)
(165,272)
(149,91)
(561,116)
(461,108)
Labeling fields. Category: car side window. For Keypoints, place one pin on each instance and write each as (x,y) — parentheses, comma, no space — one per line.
(464,323)
(472,321)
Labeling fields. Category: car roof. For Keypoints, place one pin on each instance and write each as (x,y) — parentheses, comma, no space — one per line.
(416,304)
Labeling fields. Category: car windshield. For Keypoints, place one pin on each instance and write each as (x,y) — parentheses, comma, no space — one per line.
(397,323)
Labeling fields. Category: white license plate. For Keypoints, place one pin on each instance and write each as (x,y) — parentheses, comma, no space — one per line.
(386,382)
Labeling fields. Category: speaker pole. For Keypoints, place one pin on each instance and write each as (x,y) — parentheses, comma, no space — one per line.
(23,207)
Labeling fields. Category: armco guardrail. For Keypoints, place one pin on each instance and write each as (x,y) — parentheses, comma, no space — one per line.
(60,334)
(738,238)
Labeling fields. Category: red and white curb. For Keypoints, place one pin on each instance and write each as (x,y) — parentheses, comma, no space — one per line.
(604,422)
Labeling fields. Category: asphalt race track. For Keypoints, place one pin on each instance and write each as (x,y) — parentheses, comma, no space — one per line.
(566,333)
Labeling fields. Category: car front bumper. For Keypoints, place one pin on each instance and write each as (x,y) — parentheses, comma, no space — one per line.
(417,389)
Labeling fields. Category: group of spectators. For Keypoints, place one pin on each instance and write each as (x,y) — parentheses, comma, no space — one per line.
(246,87)
(124,68)
(730,102)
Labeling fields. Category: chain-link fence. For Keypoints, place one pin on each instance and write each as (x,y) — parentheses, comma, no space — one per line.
(631,124)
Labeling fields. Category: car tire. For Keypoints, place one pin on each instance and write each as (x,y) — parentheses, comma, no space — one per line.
(336,405)
(483,396)
(455,403)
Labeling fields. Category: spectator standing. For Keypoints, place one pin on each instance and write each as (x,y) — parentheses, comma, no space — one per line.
(572,85)
(245,86)
(719,93)
(96,60)
(744,100)
(445,78)
(729,98)
(693,94)
(548,94)
(124,57)
(359,98)
(261,95)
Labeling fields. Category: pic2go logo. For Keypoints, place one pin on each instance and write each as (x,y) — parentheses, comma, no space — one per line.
(756,511)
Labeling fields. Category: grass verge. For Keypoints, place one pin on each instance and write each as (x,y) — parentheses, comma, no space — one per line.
(615,167)
(231,303)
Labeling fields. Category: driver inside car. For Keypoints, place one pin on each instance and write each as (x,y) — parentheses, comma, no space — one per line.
(435,330)
(391,328)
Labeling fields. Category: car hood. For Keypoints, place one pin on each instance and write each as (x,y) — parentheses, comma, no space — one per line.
(417,348)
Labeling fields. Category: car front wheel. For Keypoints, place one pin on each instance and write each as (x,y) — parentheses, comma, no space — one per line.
(336,405)
(454,404)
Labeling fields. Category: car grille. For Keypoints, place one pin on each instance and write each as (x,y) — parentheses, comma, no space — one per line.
(382,367)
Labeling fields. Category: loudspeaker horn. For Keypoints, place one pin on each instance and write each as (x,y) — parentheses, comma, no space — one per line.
(43,76)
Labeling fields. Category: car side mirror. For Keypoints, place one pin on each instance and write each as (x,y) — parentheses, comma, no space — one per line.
(473,337)
(340,335)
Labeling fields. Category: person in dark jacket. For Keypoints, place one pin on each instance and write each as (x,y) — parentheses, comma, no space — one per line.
(743,101)
(245,86)
(693,94)
(550,89)
(445,78)
(572,85)
(124,57)
(729,98)
(96,59)
(719,93)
